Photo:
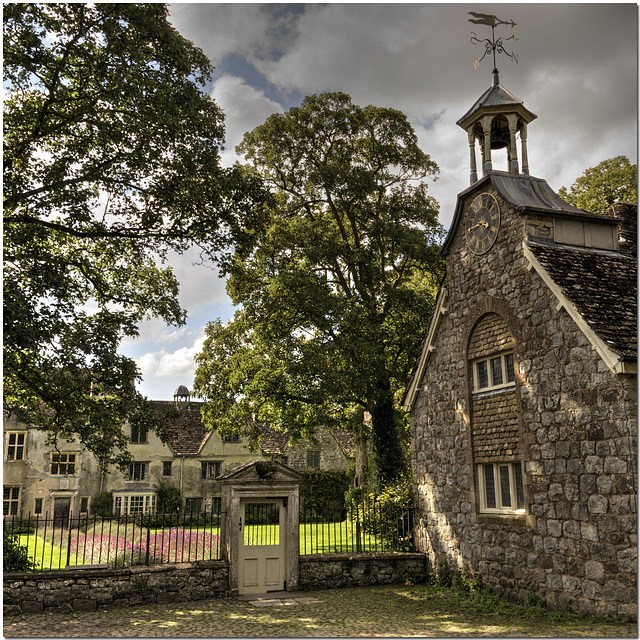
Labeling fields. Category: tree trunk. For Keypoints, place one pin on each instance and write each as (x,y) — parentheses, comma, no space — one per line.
(389,452)
(362,454)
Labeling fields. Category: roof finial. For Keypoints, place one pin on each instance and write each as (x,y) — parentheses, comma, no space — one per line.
(493,45)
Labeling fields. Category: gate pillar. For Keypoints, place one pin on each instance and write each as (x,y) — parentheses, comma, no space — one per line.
(260,480)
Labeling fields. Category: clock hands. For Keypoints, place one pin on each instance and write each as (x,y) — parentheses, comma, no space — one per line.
(482,223)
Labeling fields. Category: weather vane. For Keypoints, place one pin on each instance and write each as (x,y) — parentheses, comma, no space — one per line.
(493,45)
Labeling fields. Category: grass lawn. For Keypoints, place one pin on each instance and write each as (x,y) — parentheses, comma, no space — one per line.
(99,543)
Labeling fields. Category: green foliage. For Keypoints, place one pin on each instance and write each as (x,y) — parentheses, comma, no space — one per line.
(168,498)
(324,488)
(611,181)
(111,161)
(322,493)
(387,514)
(470,589)
(102,505)
(21,526)
(15,557)
(336,290)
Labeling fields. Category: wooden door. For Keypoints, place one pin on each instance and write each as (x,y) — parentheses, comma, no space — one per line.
(262,551)
(61,509)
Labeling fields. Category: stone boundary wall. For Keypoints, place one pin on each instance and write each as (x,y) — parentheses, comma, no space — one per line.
(91,589)
(98,588)
(335,570)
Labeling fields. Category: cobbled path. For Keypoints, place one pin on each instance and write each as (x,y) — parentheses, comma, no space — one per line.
(383,611)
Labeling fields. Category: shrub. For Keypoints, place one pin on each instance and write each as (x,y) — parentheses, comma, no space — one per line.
(15,557)
(322,494)
(102,505)
(169,498)
(324,488)
(388,514)
(20,526)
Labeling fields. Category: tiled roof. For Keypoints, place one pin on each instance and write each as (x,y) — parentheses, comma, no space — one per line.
(601,285)
(182,426)
(346,441)
(273,442)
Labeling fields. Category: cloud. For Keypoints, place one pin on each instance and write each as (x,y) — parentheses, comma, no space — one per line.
(577,70)
(171,363)
(245,108)
(222,29)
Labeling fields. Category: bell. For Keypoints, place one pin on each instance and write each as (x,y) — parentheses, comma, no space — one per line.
(499,138)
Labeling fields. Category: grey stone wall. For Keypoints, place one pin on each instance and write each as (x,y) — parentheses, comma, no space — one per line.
(91,589)
(332,571)
(577,544)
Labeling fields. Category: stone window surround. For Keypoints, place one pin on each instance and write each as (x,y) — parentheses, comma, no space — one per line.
(138,471)
(313,459)
(491,304)
(63,463)
(11,500)
(139,435)
(16,445)
(210,469)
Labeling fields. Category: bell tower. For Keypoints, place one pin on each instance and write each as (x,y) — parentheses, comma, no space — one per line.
(497,117)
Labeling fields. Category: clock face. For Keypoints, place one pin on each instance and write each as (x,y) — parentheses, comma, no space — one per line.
(483,223)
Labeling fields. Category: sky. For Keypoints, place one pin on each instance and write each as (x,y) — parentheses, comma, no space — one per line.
(576,70)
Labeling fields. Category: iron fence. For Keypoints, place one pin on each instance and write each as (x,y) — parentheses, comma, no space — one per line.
(119,541)
(366,526)
(142,539)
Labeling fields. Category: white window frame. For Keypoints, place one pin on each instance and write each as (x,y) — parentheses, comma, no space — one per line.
(122,504)
(16,449)
(490,381)
(499,507)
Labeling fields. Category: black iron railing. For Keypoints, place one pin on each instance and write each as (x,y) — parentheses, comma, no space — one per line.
(120,541)
(367,526)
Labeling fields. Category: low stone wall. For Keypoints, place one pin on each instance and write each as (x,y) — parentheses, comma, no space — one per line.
(91,589)
(98,588)
(334,570)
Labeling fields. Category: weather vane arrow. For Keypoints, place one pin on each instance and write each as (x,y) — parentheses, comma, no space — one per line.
(493,45)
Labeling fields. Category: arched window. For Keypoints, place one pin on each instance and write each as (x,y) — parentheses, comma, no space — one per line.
(494,417)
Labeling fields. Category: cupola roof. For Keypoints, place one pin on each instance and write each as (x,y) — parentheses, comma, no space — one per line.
(497,98)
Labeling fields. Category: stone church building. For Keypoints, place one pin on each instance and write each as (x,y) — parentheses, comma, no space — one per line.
(523,404)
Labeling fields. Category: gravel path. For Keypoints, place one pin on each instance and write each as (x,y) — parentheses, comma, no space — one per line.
(383,611)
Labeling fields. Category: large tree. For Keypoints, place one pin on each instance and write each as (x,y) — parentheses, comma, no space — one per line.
(111,160)
(611,181)
(335,291)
